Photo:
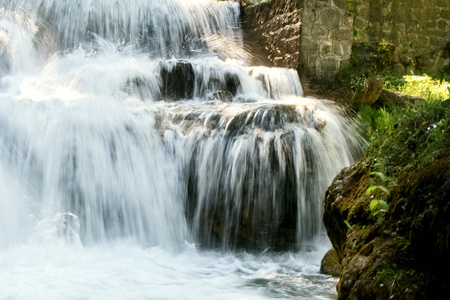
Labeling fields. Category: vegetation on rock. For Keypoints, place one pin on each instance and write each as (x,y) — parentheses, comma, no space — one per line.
(388,215)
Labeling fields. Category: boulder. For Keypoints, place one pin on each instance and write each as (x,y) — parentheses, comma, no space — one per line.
(402,254)
(330,264)
(392,99)
(370,93)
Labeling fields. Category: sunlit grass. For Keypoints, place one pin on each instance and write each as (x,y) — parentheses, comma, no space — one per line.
(421,86)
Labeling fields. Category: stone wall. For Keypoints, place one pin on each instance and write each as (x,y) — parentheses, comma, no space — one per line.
(314,37)
(326,37)
(419,28)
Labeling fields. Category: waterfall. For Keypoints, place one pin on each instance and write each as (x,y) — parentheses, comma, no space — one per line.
(141,122)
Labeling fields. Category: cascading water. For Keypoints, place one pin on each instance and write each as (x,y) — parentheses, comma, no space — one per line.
(140,154)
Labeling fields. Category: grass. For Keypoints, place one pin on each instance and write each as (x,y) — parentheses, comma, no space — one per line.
(425,86)
(405,138)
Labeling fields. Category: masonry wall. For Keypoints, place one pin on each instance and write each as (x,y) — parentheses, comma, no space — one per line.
(326,38)
(419,28)
(314,37)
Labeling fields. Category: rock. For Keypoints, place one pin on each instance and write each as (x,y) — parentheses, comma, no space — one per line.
(355,98)
(369,94)
(402,255)
(343,95)
(177,82)
(225,96)
(330,264)
(388,98)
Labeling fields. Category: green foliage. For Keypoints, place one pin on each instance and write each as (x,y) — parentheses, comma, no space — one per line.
(425,86)
(371,188)
(440,75)
(380,175)
(367,59)
(404,138)
(377,206)
(389,276)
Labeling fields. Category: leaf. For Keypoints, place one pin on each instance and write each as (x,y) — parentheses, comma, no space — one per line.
(348,224)
(370,189)
(376,206)
(385,190)
(383,205)
(379,175)
(373,204)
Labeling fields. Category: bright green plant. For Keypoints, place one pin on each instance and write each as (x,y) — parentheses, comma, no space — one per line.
(378,206)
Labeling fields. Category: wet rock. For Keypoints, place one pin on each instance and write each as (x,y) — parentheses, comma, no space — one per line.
(177,82)
(225,96)
(330,264)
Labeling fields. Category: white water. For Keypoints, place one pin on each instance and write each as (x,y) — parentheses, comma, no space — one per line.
(107,192)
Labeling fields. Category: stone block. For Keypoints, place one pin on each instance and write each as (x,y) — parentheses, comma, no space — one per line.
(319,32)
(341,4)
(416,4)
(431,14)
(417,15)
(308,16)
(442,3)
(317,3)
(329,65)
(309,45)
(342,49)
(437,42)
(363,12)
(344,33)
(445,13)
(443,25)
(326,48)
(361,24)
(307,28)
(312,62)
(329,17)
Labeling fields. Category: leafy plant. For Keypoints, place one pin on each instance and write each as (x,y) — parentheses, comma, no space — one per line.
(377,206)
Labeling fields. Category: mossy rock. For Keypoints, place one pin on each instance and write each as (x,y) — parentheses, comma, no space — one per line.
(400,254)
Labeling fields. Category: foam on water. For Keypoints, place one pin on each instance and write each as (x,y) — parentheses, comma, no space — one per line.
(121,270)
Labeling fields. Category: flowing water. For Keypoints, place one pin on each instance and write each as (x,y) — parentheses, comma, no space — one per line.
(141,157)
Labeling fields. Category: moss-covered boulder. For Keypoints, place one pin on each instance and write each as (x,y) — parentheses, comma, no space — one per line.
(388,215)
(361,82)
